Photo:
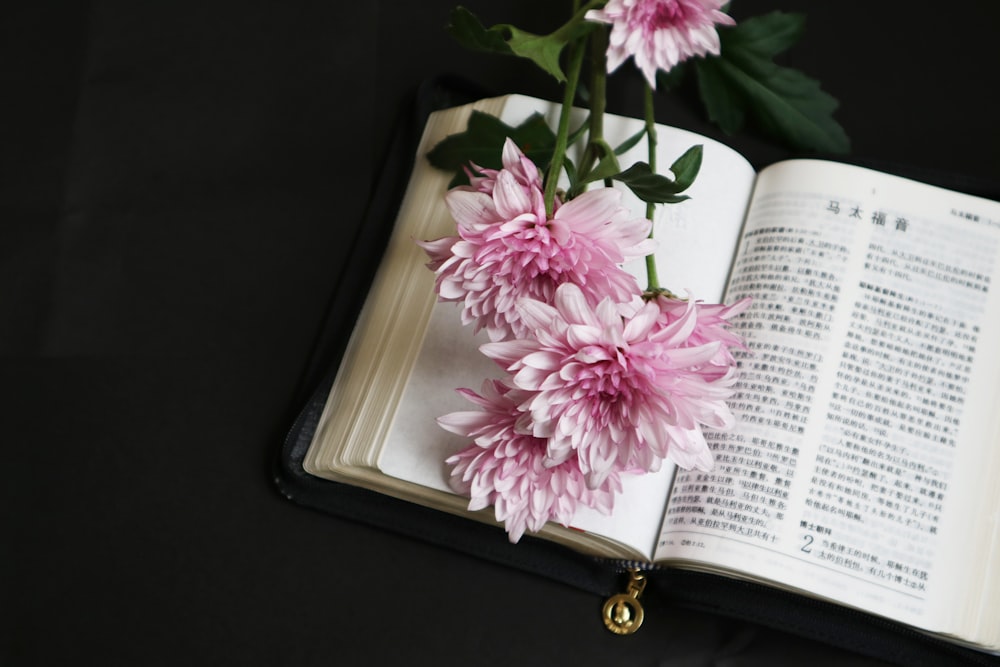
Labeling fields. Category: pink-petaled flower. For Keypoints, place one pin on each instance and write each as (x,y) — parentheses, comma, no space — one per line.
(505,466)
(523,170)
(508,249)
(659,34)
(619,387)
(710,323)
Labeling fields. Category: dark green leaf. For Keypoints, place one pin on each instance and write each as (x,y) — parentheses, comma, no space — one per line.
(672,79)
(725,107)
(471,34)
(607,167)
(743,82)
(767,35)
(649,187)
(630,142)
(506,39)
(544,50)
(686,168)
(482,143)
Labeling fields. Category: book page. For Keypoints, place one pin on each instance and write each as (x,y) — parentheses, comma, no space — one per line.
(698,238)
(866,407)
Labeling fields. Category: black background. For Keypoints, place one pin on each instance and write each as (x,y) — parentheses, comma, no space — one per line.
(179,184)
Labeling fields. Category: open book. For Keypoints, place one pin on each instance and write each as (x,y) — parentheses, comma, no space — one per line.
(862,469)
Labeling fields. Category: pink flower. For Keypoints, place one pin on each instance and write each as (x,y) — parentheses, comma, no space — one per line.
(517,163)
(709,323)
(620,387)
(505,467)
(659,34)
(507,249)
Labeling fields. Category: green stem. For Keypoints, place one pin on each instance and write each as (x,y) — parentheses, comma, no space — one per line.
(562,134)
(598,101)
(651,275)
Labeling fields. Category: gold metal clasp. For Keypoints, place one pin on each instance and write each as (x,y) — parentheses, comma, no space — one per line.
(623,612)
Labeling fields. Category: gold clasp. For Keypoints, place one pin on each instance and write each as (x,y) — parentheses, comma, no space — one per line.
(623,612)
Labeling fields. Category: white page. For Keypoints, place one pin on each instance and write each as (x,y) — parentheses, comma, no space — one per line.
(857,505)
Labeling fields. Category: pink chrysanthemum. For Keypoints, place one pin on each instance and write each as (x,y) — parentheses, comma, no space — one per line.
(507,249)
(619,387)
(709,324)
(515,162)
(659,34)
(505,467)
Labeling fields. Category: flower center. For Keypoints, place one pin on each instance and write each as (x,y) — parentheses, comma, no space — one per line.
(663,14)
(608,375)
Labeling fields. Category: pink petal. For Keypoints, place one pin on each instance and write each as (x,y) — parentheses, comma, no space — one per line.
(470,209)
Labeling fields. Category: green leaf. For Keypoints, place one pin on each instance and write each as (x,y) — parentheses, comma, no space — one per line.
(672,79)
(743,82)
(482,143)
(630,142)
(544,50)
(686,167)
(768,35)
(655,188)
(471,34)
(607,167)
(650,187)
(506,39)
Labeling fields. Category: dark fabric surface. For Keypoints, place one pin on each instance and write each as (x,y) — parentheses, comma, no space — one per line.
(180,184)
